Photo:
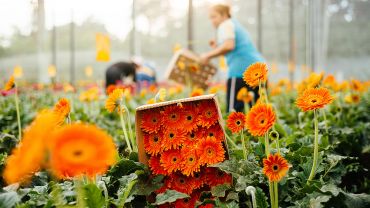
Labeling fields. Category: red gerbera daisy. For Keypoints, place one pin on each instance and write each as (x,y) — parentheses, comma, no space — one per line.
(153,143)
(173,138)
(181,183)
(190,163)
(211,151)
(155,166)
(198,180)
(187,202)
(173,117)
(208,114)
(235,122)
(191,115)
(171,160)
(216,177)
(165,186)
(214,131)
(151,121)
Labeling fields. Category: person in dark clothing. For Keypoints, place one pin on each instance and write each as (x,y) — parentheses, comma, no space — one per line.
(119,73)
(233,87)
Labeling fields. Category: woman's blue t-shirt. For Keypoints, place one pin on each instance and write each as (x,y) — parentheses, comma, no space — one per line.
(244,53)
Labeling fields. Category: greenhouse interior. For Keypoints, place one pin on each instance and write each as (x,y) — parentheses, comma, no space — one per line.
(185,103)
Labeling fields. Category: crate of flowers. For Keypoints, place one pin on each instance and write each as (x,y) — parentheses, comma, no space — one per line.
(185,68)
(182,139)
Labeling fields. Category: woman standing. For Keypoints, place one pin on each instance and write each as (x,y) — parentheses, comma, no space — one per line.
(235,43)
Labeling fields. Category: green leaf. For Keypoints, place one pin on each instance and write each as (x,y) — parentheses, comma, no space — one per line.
(169,196)
(93,196)
(9,199)
(220,190)
(261,198)
(333,189)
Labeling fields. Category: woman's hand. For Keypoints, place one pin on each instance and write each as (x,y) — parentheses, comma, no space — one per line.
(204,59)
(212,43)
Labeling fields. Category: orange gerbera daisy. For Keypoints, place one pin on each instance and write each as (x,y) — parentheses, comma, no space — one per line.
(151,121)
(62,107)
(235,122)
(80,149)
(153,143)
(191,115)
(210,151)
(216,177)
(260,119)
(10,84)
(190,163)
(314,98)
(155,166)
(314,79)
(173,117)
(244,96)
(357,85)
(352,98)
(275,167)
(110,89)
(171,160)
(255,73)
(114,100)
(181,183)
(192,138)
(214,131)
(173,138)
(29,155)
(208,114)
(197,92)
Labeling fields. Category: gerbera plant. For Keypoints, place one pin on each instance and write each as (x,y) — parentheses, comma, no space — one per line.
(181,141)
(313,99)
(236,123)
(11,84)
(115,103)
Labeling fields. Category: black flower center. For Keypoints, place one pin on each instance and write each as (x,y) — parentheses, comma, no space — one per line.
(189,117)
(77,153)
(238,123)
(174,159)
(173,116)
(314,101)
(182,181)
(192,135)
(211,134)
(172,135)
(275,167)
(155,139)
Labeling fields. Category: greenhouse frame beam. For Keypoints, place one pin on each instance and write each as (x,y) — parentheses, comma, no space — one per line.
(190,25)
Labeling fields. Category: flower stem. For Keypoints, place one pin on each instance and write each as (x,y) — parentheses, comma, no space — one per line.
(18,113)
(125,131)
(267,145)
(267,100)
(259,88)
(133,142)
(231,141)
(272,196)
(243,144)
(326,122)
(276,197)
(316,148)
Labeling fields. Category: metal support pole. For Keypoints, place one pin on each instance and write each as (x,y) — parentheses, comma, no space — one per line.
(133,31)
(259,25)
(190,25)
(292,61)
(72,51)
(54,43)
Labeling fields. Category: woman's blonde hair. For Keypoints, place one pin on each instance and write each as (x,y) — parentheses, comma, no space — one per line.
(223,9)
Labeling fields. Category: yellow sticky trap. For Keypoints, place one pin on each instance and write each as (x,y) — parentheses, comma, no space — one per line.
(102,47)
(88,71)
(52,71)
(18,72)
(222,63)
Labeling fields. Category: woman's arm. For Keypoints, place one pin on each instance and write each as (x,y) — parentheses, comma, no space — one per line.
(225,47)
